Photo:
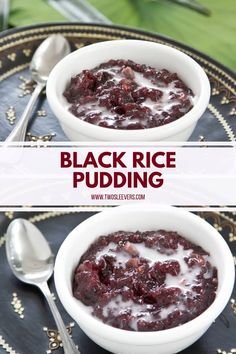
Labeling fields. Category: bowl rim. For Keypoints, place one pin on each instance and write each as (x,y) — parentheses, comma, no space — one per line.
(182,123)
(145,338)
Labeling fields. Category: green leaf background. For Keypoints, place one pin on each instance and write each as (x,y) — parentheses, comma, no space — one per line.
(214,35)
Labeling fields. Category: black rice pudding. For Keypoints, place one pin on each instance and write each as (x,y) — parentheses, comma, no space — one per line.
(145,281)
(122,94)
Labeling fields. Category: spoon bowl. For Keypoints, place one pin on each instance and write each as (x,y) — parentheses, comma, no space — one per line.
(28,253)
(46,56)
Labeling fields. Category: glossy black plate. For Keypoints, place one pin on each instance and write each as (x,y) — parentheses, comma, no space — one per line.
(18,45)
(28,335)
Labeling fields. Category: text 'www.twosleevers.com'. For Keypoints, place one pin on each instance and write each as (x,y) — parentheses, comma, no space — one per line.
(118,196)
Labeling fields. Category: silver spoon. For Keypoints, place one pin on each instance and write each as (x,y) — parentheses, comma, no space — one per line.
(48,54)
(32,262)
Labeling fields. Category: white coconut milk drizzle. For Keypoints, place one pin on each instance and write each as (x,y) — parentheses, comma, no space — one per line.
(164,104)
(117,306)
(184,281)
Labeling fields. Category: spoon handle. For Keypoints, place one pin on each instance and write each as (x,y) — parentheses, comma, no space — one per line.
(68,344)
(19,131)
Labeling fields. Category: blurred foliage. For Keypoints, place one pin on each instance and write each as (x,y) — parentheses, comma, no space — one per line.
(194,5)
(214,34)
(28,12)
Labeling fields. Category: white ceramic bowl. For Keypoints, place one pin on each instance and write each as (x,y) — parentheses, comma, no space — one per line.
(133,218)
(143,52)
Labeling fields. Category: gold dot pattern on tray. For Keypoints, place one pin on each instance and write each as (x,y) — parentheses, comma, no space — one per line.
(233,305)
(224,100)
(12,56)
(221,222)
(17,305)
(7,347)
(40,138)
(79,45)
(201,138)
(2,240)
(218,87)
(54,337)
(215,92)
(41,113)
(220,351)
(26,86)
(11,115)
(27,52)
(232,237)
(217,227)
(9,214)
(233,112)
(229,131)
(49,215)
